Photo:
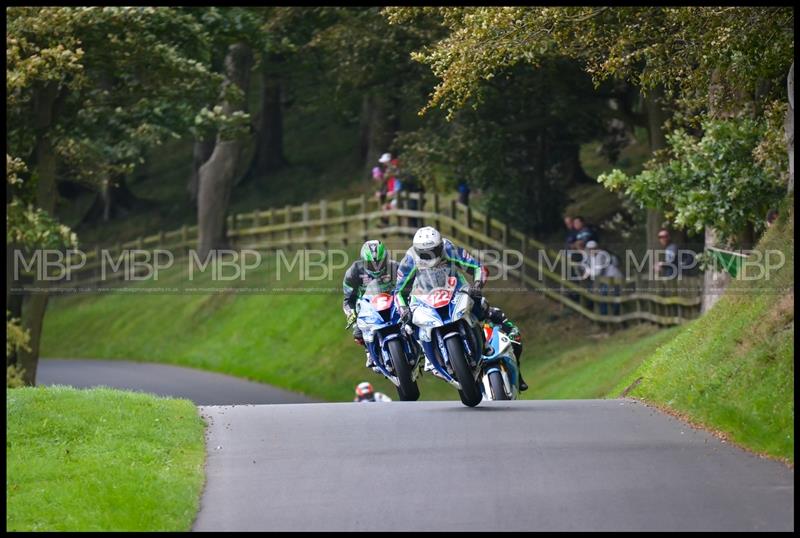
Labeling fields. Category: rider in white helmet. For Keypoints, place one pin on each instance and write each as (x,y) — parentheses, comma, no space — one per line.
(429,249)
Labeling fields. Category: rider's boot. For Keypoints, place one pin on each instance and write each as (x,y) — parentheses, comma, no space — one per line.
(522,384)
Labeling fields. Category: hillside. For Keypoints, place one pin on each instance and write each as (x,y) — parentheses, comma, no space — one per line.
(733,370)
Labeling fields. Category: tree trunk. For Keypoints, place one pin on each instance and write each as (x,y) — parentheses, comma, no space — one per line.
(656,116)
(572,168)
(789,126)
(382,126)
(201,152)
(269,155)
(714,282)
(115,199)
(46,101)
(217,176)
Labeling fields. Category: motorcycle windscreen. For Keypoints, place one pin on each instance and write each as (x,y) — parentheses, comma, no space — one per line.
(434,287)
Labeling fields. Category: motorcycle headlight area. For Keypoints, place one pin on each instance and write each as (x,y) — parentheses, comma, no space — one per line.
(462,304)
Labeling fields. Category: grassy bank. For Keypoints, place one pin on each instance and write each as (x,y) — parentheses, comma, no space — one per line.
(101,460)
(733,370)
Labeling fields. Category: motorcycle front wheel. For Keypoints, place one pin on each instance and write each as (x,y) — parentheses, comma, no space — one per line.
(470,393)
(408,391)
(497,386)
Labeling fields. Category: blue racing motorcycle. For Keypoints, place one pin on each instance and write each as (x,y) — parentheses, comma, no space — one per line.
(448,331)
(394,352)
(499,367)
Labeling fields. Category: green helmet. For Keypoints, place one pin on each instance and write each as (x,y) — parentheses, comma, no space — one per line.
(373,254)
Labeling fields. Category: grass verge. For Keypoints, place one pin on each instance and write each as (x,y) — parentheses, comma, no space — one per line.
(732,371)
(101,460)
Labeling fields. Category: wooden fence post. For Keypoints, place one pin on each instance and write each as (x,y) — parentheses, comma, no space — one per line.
(323,222)
(305,224)
(287,221)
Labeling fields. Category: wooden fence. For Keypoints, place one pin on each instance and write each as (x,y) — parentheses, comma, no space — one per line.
(350,222)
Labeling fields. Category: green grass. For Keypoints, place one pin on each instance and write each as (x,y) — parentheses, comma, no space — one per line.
(101,460)
(733,369)
(591,370)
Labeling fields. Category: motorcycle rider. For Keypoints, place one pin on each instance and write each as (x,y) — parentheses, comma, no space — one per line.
(428,250)
(374,264)
(365,393)
(499,318)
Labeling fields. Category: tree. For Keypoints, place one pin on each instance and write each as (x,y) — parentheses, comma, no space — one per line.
(710,61)
(520,146)
(236,31)
(88,90)
(217,175)
(364,57)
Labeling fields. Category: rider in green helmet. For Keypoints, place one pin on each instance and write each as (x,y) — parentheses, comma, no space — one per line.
(374,264)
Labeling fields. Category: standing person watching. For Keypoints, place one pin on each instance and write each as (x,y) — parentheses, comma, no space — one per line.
(669,266)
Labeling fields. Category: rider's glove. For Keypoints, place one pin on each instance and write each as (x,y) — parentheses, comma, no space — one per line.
(358,337)
(475,291)
(351,318)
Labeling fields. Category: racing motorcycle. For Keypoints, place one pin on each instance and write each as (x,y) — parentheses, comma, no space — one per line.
(447,330)
(393,350)
(499,366)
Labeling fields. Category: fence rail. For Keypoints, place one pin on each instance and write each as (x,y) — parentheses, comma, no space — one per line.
(352,221)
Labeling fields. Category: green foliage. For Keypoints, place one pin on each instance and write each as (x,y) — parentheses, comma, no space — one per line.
(678,47)
(15,376)
(27,225)
(127,78)
(16,338)
(101,460)
(731,59)
(520,146)
(715,180)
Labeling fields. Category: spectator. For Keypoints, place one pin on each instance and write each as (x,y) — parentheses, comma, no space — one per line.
(416,197)
(391,175)
(569,240)
(601,263)
(463,192)
(583,231)
(668,267)
(772,216)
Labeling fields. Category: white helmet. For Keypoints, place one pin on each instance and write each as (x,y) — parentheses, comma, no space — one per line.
(428,246)
(385,158)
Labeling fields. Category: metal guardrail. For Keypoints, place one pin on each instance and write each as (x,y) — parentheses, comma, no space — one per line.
(351,221)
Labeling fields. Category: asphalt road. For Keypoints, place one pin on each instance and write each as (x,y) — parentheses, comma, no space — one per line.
(557,465)
(203,388)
